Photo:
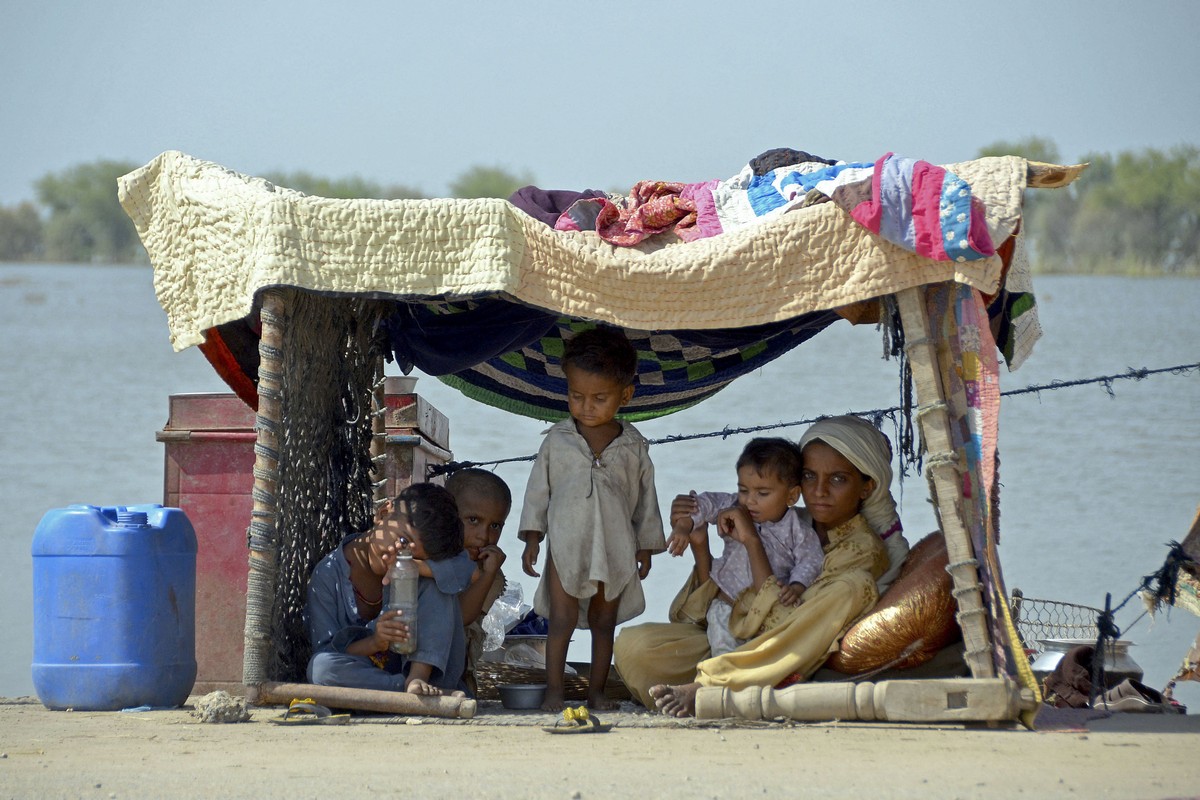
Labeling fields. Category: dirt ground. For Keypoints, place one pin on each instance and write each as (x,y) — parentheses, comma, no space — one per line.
(506,754)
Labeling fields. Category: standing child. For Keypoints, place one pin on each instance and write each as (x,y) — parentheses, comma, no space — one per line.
(766,538)
(484,501)
(591,497)
(346,593)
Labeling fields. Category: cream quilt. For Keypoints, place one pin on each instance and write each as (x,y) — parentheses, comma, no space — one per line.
(216,238)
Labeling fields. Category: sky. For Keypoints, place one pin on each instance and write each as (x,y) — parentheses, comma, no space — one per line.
(581,95)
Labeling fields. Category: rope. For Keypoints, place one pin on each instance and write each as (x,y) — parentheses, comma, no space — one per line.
(875,415)
(1163,584)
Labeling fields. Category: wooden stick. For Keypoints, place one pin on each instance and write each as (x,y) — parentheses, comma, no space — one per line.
(932,700)
(945,482)
(270,693)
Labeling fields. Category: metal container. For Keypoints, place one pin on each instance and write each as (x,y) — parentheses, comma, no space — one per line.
(1118,664)
(522,695)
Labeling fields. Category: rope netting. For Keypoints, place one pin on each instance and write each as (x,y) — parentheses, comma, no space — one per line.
(331,359)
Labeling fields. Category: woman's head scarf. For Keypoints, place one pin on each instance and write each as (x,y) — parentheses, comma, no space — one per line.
(870,452)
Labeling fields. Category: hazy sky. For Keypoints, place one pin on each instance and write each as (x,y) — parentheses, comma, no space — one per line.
(581,95)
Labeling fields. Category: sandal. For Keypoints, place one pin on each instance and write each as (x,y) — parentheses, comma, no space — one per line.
(1134,696)
(307,712)
(578,720)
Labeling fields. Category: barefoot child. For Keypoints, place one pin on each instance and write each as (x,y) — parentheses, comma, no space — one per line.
(765,536)
(484,501)
(591,497)
(346,593)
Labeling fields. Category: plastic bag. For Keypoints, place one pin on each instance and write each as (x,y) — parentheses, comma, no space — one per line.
(506,612)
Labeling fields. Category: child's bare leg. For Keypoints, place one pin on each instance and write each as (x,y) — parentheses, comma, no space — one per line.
(564,616)
(602,620)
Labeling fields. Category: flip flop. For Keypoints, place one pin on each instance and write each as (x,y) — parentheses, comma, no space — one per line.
(308,712)
(578,720)
(1134,696)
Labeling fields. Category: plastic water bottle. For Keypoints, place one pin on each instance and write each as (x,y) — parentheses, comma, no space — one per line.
(402,596)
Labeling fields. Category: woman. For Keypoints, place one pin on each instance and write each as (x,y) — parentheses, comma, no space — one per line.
(845,483)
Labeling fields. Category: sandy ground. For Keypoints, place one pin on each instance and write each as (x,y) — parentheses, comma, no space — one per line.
(506,754)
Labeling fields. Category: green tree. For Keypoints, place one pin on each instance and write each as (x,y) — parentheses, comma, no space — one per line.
(481,181)
(1033,148)
(341,188)
(1139,212)
(86,221)
(20,233)
(1048,214)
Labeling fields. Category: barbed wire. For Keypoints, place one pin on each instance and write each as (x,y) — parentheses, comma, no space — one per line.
(875,415)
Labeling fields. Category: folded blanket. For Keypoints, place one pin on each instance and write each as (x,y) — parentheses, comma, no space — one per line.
(919,206)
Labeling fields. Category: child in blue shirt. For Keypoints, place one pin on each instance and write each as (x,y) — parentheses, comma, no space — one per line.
(346,594)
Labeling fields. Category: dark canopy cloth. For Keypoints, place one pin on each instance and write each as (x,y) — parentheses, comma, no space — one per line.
(485,292)
(507,355)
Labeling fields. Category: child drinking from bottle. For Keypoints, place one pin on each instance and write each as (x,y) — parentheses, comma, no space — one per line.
(349,631)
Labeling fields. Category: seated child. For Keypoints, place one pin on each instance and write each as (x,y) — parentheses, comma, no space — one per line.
(484,501)
(764,535)
(346,593)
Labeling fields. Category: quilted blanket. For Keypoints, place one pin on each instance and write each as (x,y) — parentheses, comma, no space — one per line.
(216,237)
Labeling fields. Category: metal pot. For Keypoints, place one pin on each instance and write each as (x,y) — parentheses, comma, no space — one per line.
(1118,664)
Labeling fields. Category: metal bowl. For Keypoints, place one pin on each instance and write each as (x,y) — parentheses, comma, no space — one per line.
(522,695)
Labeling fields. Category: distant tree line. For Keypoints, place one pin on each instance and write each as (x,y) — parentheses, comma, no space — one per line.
(1132,213)
(78,219)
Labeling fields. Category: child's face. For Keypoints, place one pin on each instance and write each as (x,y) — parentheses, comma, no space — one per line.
(766,497)
(395,527)
(594,399)
(833,487)
(482,518)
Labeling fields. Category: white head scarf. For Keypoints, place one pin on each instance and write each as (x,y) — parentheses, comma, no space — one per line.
(871,453)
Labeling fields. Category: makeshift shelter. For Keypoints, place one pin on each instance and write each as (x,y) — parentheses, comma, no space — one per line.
(296,300)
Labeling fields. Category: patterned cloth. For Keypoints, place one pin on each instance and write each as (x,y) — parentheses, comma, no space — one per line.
(919,206)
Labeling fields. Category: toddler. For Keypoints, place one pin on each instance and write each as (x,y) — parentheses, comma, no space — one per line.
(591,497)
(764,534)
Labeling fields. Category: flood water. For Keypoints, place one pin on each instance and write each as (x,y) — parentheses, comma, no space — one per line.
(1093,485)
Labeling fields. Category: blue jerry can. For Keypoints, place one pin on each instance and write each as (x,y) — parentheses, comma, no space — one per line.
(114,603)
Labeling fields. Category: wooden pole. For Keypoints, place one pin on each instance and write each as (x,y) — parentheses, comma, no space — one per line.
(942,466)
(931,700)
(264,537)
(271,693)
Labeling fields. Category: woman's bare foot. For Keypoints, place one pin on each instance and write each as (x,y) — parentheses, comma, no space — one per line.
(418,686)
(601,702)
(552,701)
(675,701)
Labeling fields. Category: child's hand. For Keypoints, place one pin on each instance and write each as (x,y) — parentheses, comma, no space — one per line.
(390,628)
(681,532)
(643,560)
(490,559)
(735,523)
(683,507)
(533,546)
(790,594)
